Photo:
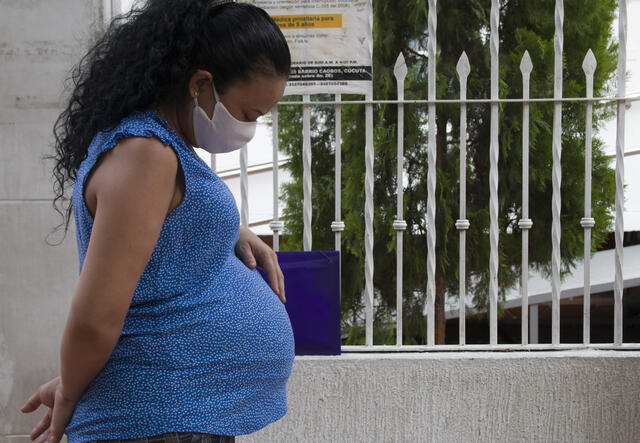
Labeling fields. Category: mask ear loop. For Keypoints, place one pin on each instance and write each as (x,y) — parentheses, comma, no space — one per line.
(195,100)
(215,93)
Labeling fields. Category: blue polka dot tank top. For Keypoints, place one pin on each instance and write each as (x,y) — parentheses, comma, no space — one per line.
(206,344)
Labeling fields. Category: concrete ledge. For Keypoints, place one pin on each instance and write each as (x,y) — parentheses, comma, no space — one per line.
(568,396)
(586,395)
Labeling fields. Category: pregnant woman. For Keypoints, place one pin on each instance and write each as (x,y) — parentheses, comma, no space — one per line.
(170,336)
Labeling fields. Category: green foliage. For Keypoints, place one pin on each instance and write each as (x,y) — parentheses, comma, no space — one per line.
(462,25)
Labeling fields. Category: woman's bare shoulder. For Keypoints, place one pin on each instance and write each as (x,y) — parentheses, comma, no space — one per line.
(132,163)
(144,151)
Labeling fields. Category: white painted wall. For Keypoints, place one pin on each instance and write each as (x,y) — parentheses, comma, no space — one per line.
(260,201)
(40,40)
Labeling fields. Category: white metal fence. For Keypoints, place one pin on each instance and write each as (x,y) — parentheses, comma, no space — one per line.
(462,224)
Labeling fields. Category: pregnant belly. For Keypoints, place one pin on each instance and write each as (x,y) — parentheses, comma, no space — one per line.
(249,318)
(237,326)
(239,323)
(214,355)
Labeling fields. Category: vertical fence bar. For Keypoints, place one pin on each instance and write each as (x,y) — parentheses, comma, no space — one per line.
(338,225)
(533,325)
(276,225)
(400,72)
(493,176)
(525,222)
(619,229)
(556,228)
(587,222)
(306,175)
(244,188)
(462,224)
(431,175)
(368,218)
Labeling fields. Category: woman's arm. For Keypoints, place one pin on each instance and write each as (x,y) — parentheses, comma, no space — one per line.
(134,185)
(132,189)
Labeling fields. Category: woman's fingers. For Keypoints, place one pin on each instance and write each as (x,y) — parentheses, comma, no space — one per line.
(43,438)
(33,403)
(44,395)
(280,278)
(55,434)
(274,274)
(41,426)
(283,297)
(246,255)
(60,417)
(254,252)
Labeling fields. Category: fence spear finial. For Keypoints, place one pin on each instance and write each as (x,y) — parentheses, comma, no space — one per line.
(463,68)
(589,64)
(400,69)
(525,65)
(589,67)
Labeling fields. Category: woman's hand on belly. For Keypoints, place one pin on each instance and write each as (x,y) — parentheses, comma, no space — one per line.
(254,252)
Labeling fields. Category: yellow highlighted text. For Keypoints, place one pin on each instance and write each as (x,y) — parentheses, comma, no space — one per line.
(308,21)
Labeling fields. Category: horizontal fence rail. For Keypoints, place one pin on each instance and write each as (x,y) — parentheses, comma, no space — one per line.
(629,98)
(529,313)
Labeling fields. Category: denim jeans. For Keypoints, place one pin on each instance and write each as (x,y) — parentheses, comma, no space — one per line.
(175,437)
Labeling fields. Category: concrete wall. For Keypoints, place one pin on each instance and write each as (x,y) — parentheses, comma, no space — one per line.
(564,396)
(40,40)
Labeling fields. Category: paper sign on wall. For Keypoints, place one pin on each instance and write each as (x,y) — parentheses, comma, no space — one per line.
(331,44)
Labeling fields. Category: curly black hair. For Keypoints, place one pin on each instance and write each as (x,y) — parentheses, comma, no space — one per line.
(146,57)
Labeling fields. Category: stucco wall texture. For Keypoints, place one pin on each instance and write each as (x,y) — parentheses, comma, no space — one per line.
(564,396)
(40,41)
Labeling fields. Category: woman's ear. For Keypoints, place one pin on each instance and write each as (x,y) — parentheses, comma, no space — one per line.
(199,80)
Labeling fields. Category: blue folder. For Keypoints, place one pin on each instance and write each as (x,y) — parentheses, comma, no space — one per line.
(312,288)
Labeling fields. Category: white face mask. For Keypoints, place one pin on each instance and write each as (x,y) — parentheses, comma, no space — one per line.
(223,132)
